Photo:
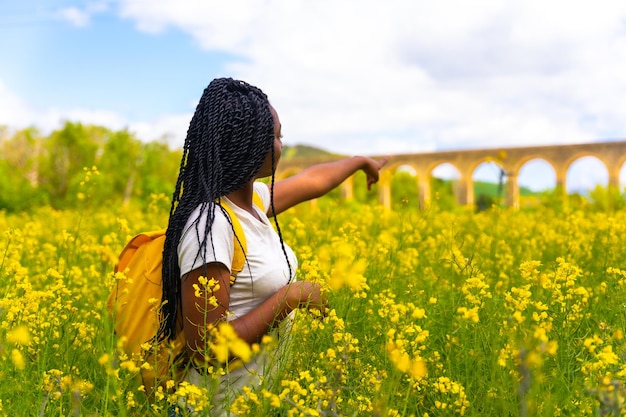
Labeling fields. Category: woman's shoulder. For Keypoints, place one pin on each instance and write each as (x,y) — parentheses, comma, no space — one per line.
(198,221)
(198,245)
(263,191)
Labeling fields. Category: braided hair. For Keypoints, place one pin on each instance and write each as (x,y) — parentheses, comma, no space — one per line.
(230,135)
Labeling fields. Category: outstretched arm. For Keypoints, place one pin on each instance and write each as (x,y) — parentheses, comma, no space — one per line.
(317,180)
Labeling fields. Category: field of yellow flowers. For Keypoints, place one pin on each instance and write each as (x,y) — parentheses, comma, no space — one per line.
(433,313)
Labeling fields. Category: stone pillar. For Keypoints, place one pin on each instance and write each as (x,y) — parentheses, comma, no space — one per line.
(613,190)
(614,176)
(423,190)
(465,190)
(385,194)
(384,187)
(347,189)
(423,180)
(561,184)
(512,190)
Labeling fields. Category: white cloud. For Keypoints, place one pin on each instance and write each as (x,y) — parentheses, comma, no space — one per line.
(17,114)
(75,16)
(54,118)
(450,74)
(172,129)
(14,112)
(398,76)
(81,17)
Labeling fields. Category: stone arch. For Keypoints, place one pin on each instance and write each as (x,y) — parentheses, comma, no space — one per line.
(448,171)
(535,168)
(406,175)
(580,187)
(386,178)
(612,154)
(448,166)
(615,176)
(530,164)
(621,164)
(425,179)
(497,172)
(542,171)
(519,163)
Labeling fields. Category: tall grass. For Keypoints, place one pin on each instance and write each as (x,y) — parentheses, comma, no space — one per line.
(432,313)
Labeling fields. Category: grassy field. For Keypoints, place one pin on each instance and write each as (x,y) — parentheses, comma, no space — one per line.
(433,313)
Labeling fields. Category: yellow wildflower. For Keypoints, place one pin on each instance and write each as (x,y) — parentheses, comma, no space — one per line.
(18,359)
(19,336)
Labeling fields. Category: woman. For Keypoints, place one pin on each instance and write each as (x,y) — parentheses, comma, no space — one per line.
(234,138)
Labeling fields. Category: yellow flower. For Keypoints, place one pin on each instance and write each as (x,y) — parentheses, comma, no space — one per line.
(18,359)
(130,366)
(104,359)
(225,342)
(607,356)
(19,336)
(418,369)
(551,347)
(130,399)
(518,316)
(469,314)
(418,313)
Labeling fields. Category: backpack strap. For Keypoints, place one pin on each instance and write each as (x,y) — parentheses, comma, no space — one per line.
(240,244)
(257,201)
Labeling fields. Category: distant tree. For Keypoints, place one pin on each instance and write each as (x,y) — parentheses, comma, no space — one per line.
(552,198)
(404,192)
(484,202)
(21,152)
(64,156)
(16,192)
(606,198)
(442,193)
(158,170)
(577,201)
(37,170)
(360,191)
(119,167)
(19,178)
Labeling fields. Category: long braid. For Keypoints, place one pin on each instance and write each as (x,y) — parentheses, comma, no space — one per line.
(229,137)
(280,234)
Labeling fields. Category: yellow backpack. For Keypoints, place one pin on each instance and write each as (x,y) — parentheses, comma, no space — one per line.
(135,300)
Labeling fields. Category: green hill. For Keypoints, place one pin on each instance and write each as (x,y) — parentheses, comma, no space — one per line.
(304,151)
(491,189)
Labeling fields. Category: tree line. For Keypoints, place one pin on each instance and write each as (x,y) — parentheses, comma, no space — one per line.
(38,170)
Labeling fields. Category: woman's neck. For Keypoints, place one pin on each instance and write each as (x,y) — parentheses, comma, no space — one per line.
(243,198)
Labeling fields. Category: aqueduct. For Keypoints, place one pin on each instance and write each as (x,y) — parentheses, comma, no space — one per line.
(511,160)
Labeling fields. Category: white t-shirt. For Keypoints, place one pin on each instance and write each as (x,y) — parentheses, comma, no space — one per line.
(264,273)
(265,270)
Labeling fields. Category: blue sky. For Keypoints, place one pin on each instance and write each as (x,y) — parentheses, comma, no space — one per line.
(104,64)
(108,65)
(349,76)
